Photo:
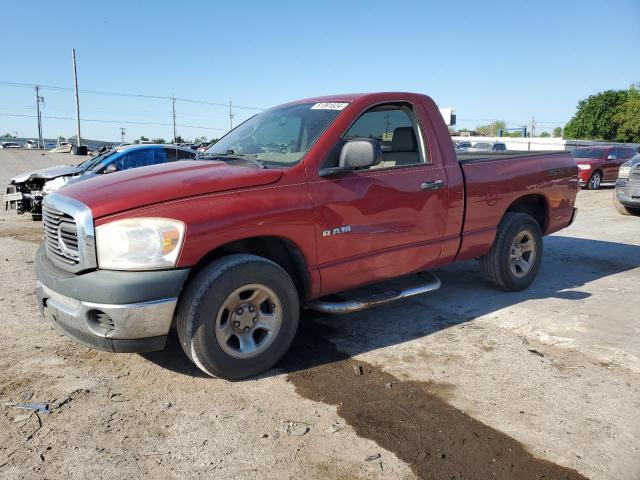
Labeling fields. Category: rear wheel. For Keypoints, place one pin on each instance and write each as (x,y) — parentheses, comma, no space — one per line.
(515,256)
(238,316)
(623,209)
(595,180)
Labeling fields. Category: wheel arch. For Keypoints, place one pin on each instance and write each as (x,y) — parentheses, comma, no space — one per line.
(279,250)
(535,205)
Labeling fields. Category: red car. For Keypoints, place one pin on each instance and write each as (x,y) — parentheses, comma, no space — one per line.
(597,165)
(298,204)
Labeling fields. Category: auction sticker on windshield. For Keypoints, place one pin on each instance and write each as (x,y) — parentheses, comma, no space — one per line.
(330,106)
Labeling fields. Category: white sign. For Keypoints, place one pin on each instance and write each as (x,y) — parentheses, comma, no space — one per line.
(449,115)
(330,106)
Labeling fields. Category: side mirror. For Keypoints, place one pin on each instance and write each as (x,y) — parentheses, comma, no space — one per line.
(111,168)
(356,154)
(611,156)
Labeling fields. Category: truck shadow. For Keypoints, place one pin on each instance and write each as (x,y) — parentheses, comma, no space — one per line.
(569,264)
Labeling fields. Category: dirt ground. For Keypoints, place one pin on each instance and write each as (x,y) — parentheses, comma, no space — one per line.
(467,382)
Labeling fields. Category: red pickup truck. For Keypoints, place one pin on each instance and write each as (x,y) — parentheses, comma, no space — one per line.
(294,208)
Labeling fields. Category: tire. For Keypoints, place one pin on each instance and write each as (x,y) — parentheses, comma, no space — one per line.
(594,181)
(499,268)
(623,209)
(208,312)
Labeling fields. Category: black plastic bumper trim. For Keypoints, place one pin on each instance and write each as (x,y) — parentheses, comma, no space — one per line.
(111,287)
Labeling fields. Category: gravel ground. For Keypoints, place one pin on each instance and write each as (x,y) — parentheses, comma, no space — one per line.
(466,382)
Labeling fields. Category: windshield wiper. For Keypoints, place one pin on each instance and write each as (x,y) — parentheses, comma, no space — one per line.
(232,157)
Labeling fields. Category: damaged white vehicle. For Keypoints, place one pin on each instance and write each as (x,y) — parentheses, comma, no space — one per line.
(26,191)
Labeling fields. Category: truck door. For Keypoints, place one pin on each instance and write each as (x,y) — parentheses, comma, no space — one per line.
(386,220)
(612,163)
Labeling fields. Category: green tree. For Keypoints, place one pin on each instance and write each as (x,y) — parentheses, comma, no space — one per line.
(491,129)
(178,139)
(514,134)
(627,117)
(557,132)
(594,118)
(544,135)
(8,135)
(158,140)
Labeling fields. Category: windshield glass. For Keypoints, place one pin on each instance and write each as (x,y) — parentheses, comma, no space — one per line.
(481,145)
(91,163)
(278,137)
(587,153)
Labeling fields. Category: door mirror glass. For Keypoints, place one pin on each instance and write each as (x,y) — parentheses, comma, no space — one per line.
(111,168)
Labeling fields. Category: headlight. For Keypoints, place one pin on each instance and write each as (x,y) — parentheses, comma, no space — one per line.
(139,243)
(624,172)
(584,166)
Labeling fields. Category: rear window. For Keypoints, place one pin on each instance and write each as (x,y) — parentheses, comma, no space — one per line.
(587,153)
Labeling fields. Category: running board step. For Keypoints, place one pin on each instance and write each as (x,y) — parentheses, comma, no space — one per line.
(431,284)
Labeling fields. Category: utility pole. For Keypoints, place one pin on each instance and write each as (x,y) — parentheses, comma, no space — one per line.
(230,116)
(532,127)
(75,83)
(122,130)
(173,104)
(38,100)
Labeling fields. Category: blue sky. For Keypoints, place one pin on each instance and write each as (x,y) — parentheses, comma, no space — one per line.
(489,60)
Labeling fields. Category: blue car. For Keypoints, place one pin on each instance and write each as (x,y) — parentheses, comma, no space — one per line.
(25,191)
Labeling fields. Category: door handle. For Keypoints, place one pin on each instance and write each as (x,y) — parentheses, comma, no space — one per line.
(431,185)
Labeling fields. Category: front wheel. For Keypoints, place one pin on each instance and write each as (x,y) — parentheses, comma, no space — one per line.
(594,181)
(238,316)
(516,254)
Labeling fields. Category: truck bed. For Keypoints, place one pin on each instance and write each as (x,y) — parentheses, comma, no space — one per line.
(494,180)
(472,157)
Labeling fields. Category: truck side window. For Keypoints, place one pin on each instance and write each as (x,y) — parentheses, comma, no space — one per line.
(172,154)
(160,156)
(186,155)
(394,126)
(135,159)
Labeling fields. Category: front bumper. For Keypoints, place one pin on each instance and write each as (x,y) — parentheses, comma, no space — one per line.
(574,214)
(628,193)
(108,310)
(583,177)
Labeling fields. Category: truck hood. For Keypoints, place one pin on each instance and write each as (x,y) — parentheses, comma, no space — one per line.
(46,173)
(120,191)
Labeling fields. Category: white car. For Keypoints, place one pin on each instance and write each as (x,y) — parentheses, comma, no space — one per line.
(487,147)
(10,145)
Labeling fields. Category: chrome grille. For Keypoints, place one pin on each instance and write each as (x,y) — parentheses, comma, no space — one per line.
(60,235)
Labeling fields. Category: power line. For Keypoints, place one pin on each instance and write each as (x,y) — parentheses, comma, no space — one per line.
(132,95)
(111,121)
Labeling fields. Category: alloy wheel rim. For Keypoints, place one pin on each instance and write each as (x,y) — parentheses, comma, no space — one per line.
(248,321)
(595,181)
(522,254)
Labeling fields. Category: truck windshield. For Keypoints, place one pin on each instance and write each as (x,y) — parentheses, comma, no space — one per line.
(91,163)
(587,153)
(279,137)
